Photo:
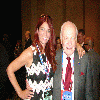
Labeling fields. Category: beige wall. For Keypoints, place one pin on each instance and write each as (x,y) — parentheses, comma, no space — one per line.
(61,11)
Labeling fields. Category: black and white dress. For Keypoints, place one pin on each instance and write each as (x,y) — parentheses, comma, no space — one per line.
(37,78)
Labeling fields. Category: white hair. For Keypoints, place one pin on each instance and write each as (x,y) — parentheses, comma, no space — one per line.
(63,26)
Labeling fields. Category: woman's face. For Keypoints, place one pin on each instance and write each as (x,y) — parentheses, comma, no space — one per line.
(44,33)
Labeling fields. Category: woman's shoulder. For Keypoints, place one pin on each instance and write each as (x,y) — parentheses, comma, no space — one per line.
(33,48)
(29,51)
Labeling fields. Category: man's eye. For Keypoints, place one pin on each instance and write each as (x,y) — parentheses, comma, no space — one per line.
(73,38)
(66,38)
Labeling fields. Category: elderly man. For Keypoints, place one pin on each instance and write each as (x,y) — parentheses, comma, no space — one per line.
(95,61)
(73,77)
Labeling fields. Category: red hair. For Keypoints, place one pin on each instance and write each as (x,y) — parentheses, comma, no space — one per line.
(50,49)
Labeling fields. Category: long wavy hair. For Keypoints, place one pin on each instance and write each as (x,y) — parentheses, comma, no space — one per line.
(50,49)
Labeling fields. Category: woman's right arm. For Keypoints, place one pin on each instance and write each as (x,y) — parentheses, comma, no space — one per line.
(16,65)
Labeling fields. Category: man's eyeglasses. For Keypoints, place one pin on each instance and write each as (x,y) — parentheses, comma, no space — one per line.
(85,44)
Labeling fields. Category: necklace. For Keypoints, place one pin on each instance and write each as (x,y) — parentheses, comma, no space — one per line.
(41,59)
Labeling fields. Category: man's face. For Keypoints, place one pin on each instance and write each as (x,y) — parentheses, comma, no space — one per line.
(68,39)
(86,44)
(27,35)
(80,38)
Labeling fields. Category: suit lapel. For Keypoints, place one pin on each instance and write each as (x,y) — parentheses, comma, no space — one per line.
(57,76)
(77,72)
(76,65)
(60,68)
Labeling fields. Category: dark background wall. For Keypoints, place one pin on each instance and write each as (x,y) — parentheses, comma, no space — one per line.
(11,21)
(20,16)
(84,13)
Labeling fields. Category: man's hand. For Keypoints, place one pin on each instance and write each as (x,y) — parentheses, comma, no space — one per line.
(80,50)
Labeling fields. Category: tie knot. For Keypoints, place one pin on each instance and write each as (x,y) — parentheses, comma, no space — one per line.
(68,58)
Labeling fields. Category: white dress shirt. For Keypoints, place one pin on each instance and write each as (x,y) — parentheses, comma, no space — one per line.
(65,62)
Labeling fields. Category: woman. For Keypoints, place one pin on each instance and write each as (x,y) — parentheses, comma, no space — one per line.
(39,60)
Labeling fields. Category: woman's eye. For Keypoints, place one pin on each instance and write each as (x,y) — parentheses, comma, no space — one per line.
(42,29)
(49,31)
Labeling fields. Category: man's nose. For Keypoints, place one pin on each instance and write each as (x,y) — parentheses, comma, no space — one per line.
(69,42)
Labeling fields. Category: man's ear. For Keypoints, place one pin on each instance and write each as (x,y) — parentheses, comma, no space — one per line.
(61,38)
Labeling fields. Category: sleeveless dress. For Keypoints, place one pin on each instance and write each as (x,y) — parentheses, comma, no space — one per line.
(37,78)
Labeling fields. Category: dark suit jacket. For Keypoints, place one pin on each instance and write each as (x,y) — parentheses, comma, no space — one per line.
(82,83)
(95,61)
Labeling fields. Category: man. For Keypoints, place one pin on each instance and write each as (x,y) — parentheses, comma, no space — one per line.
(95,61)
(79,82)
(28,39)
(81,36)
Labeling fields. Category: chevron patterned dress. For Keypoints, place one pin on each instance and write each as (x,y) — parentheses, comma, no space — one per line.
(37,78)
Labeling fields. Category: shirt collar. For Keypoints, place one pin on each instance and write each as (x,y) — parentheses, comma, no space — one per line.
(66,55)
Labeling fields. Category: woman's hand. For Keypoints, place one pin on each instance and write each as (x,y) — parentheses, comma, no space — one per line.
(80,50)
(26,94)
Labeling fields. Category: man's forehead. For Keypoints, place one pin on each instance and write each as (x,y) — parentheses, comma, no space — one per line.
(68,27)
(68,31)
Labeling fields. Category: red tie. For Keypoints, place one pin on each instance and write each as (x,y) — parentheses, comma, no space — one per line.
(68,76)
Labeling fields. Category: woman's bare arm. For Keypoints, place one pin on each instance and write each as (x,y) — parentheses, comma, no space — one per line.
(16,65)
